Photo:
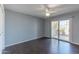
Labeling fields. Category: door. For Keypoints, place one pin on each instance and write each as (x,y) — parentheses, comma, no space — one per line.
(1,28)
(54,26)
(60,30)
(64,30)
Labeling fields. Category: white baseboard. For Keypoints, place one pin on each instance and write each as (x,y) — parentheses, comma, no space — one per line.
(33,39)
(22,42)
(74,43)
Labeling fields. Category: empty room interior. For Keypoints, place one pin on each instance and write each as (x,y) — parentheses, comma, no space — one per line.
(39,28)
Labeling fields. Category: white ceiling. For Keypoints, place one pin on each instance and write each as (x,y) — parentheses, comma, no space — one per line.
(38,11)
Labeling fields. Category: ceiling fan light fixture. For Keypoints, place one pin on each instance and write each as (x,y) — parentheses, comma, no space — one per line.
(47,14)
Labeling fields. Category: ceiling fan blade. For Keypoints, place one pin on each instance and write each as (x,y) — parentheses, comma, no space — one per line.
(42,7)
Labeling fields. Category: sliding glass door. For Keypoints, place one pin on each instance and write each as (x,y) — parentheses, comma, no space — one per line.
(64,30)
(60,30)
(54,26)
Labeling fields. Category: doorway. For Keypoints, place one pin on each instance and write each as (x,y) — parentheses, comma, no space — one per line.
(60,30)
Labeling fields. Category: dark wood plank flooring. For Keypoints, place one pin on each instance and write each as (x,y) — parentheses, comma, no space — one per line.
(43,46)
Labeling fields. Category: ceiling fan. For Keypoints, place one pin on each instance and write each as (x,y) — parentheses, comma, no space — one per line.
(49,8)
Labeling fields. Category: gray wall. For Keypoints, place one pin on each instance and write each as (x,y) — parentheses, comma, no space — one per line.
(21,28)
(74,25)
